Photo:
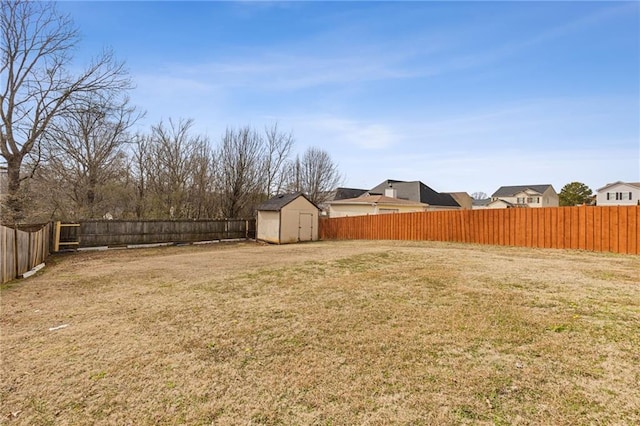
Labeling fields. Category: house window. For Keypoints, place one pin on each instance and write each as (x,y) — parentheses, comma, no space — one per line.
(608,195)
(623,196)
(533,199)
(520,200)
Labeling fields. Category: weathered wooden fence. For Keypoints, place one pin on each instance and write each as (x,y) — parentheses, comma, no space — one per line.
(22,249)
(609,229)
(96,233)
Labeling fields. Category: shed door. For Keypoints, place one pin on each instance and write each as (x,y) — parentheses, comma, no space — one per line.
(305,227)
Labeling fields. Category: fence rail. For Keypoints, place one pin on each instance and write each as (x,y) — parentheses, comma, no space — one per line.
(96,233)
(22,250)
(609,229)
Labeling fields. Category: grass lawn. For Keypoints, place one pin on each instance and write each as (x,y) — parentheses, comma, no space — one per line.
(340,333)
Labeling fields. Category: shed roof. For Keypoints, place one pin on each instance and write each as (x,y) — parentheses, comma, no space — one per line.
(509,191)
(279,201)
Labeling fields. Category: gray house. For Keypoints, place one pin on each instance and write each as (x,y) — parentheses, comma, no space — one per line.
(417,191)
(524,196)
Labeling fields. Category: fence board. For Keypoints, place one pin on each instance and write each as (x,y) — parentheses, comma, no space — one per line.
(586,227)
(633,231)
(589,228)
(582,234)
(613,230)
(553,228)
(574,228)
(623,246)
(548,226)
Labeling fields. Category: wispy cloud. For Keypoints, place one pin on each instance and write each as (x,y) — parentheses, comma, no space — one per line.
(356,133)
(323,61)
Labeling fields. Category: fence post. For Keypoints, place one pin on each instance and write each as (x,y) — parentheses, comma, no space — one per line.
(56,237)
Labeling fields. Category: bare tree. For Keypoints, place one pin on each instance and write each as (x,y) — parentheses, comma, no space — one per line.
(139,165)
(85,150)
(170,162)
(278,148)
(314,174)
(37,44)
(201,197)
(239,172)
(479,195)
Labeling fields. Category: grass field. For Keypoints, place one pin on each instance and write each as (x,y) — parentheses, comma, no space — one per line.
(336,333)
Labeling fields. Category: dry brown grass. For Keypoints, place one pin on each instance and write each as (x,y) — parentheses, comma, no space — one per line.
(324,333)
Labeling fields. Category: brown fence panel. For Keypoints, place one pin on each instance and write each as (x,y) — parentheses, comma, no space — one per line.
(133,232)
(613,229)
(22,250)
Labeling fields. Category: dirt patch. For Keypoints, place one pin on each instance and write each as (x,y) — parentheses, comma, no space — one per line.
(351,332)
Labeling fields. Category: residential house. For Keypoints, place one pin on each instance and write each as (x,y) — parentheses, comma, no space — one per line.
(373,204)
(499,203)
(524,196)
(619,194)
(339,193)
(419,192)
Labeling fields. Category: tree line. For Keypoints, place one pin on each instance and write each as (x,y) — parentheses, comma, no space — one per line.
(70,151)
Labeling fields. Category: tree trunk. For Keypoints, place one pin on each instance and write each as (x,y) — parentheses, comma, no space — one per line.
(14,205)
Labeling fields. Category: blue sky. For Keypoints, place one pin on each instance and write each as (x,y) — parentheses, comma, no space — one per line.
(464,96)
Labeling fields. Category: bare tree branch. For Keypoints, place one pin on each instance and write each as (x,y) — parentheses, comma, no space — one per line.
(37,44)
(314,174)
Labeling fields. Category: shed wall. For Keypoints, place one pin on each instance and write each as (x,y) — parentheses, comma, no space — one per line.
(290,224)
(269,226)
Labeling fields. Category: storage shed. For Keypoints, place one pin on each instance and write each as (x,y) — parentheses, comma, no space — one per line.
(287,218)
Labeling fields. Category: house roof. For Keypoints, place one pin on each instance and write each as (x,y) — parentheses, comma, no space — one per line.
(481,202)
(501,201)
(458,194)
(462,198)
(416,191)
(510,191)
(378,199)
(636,184)
(346,193)
(279,201)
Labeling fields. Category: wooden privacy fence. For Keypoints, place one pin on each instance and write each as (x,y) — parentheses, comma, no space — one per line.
(609,229)
(97,233)
(22,250)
